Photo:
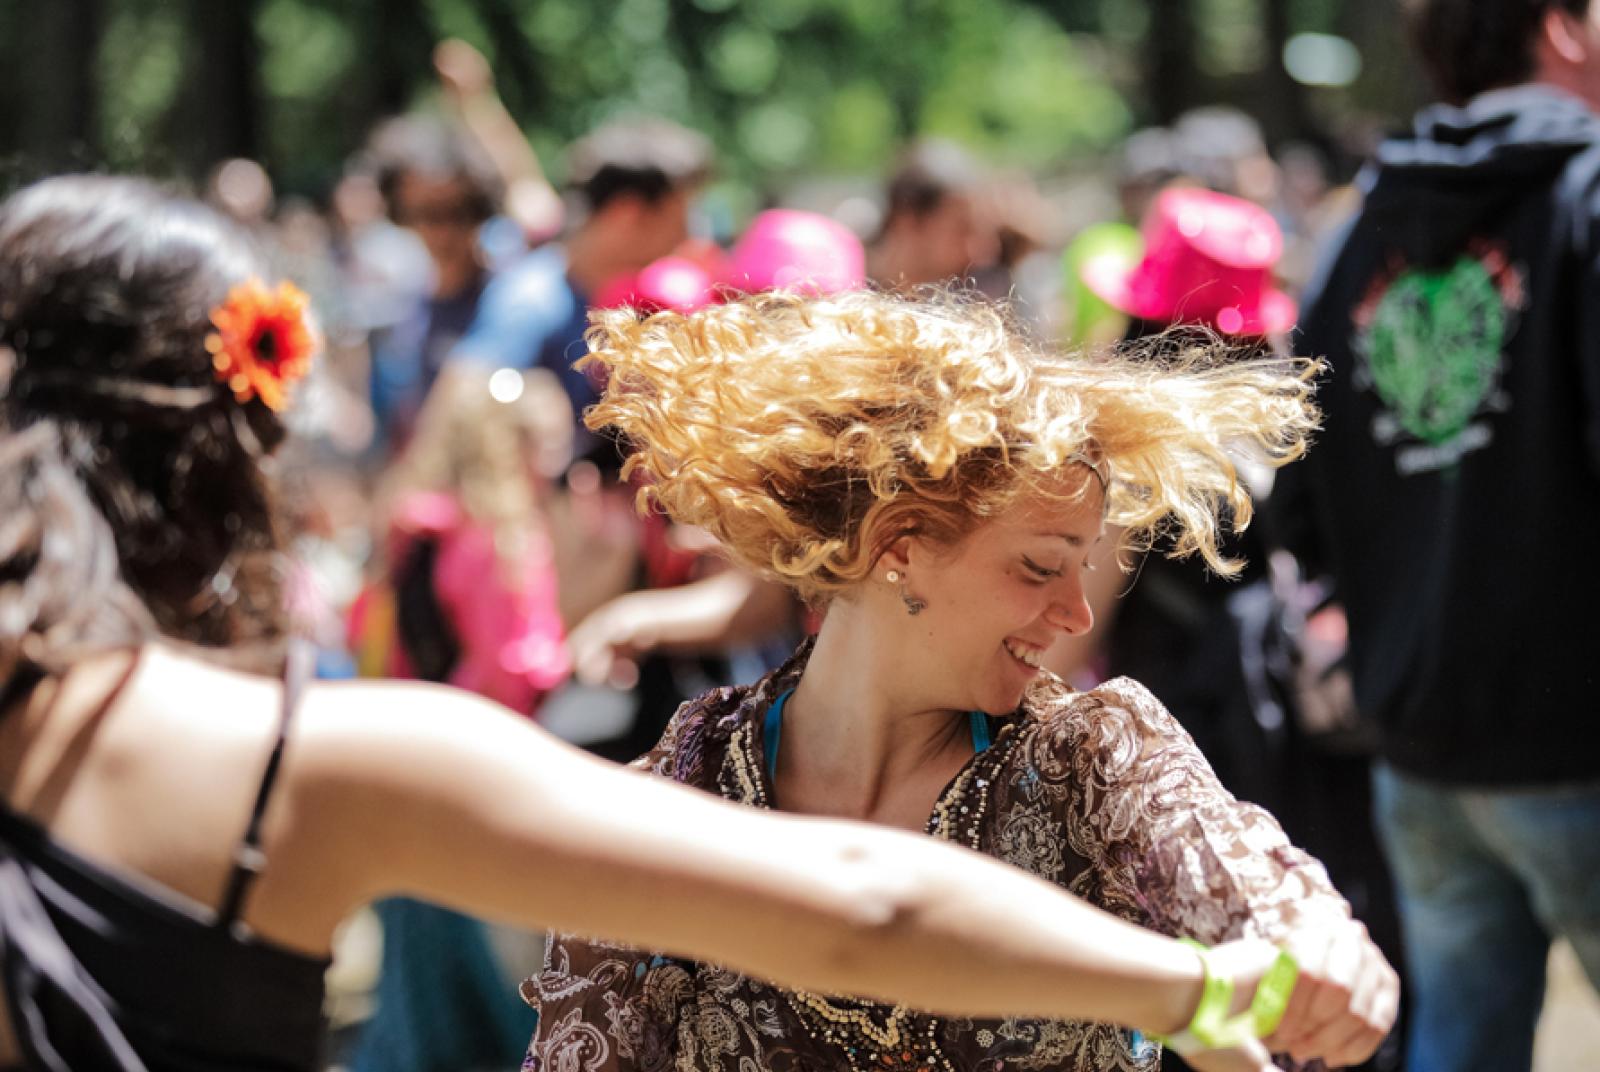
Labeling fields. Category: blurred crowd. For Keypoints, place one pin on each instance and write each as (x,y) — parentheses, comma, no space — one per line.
(455,520)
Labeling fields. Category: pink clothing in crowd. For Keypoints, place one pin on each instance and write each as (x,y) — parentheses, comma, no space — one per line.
(506,621)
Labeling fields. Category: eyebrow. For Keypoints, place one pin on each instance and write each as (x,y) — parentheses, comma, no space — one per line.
(1072,540)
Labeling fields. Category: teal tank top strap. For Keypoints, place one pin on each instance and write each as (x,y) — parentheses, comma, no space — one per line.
(979,722)
(772,729)
(770,732)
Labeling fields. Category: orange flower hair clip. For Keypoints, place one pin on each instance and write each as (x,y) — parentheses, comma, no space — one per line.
(263,342)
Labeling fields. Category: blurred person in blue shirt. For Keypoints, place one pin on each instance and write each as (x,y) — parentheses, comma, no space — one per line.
(631,183)
(440,185)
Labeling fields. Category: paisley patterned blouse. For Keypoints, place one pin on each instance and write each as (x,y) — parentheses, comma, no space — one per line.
(1102,793)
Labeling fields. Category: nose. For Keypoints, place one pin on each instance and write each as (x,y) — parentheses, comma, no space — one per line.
(1070,614)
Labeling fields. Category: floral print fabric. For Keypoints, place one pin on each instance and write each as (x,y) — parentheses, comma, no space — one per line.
(1102,793)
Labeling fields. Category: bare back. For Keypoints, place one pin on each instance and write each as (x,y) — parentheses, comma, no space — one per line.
(137,775)
(149,765)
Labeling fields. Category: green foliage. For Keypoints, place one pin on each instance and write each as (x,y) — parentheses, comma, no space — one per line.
(781,85)
(785,88)
(1231,41)
(142,55)
(1046,100)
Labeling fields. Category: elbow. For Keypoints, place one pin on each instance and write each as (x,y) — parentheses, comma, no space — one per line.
(883,902)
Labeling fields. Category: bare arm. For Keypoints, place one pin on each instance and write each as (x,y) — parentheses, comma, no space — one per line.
(469,87)
(708,615)
(444,796)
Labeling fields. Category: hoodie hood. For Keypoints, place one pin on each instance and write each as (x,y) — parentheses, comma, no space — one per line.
(1462,166)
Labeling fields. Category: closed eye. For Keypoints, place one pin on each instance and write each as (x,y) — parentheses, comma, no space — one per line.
(1038,570)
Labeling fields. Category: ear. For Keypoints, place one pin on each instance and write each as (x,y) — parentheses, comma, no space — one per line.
(1561,36)
(897,556)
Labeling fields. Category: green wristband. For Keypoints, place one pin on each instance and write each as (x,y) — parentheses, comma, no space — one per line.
(1212,1029)
(1273,993)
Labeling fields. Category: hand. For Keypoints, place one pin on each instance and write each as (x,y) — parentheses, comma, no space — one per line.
(1251,1057)
(462,70)
(1244,962)
(1345,1000)
(607,644)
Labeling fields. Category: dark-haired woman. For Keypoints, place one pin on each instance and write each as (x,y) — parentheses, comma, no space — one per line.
(182,826)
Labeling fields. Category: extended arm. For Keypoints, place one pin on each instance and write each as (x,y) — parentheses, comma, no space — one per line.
(708,615)
(446,797)
(469,87)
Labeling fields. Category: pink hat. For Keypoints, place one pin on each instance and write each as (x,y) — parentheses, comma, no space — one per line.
(786,249)
(674,283)
(1208,260)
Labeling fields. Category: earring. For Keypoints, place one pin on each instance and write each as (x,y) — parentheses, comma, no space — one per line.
(914,605)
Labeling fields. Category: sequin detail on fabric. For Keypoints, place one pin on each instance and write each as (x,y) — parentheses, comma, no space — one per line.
(1100,793)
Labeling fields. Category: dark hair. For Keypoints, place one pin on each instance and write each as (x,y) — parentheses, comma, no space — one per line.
(433,148)
(648,159)
(132,499)
(929,172)
(1469,46)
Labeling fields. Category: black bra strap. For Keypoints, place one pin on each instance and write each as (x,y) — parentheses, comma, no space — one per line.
(248,859)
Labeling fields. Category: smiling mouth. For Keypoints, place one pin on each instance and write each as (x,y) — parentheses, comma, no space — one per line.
(1030,656)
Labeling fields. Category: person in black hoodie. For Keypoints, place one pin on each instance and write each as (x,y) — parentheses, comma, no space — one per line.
(1460,315)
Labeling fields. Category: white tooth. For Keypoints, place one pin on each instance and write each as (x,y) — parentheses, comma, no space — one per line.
(1026,655)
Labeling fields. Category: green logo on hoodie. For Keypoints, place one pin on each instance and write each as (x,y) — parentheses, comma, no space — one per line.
(1433,345)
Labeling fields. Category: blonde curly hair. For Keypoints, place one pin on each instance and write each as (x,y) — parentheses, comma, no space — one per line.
(809,433)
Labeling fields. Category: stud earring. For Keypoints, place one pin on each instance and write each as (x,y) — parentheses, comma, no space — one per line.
(893,576)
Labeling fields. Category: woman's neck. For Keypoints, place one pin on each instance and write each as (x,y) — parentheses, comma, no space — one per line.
(856,730)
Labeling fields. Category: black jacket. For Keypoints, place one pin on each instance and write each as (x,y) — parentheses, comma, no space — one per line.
(1456,487)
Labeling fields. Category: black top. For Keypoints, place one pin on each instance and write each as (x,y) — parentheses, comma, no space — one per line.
(1458,478)
(108,971)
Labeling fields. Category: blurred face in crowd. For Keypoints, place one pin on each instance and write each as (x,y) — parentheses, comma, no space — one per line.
(441,212)
(1567,52)
(652,229)
(243,190)
(945,242)
(542,420)
(357,202)
(1001,597)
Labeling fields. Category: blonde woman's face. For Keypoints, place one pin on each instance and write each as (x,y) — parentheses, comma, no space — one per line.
(999,600)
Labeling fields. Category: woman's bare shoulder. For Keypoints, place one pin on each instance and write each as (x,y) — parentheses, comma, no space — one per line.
(196,698)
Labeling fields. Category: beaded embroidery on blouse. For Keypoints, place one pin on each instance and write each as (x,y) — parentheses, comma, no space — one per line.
(1101,793)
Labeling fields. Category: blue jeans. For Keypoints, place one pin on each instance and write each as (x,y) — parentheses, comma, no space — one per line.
(1485,878)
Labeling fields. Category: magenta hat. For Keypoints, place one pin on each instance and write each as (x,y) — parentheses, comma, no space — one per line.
(786,249)
(1208,259)
(674,283)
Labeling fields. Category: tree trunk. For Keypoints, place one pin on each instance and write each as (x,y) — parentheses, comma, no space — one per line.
(224,105)
(59,48)
(401,35)
(1170,71)
(1285,110)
